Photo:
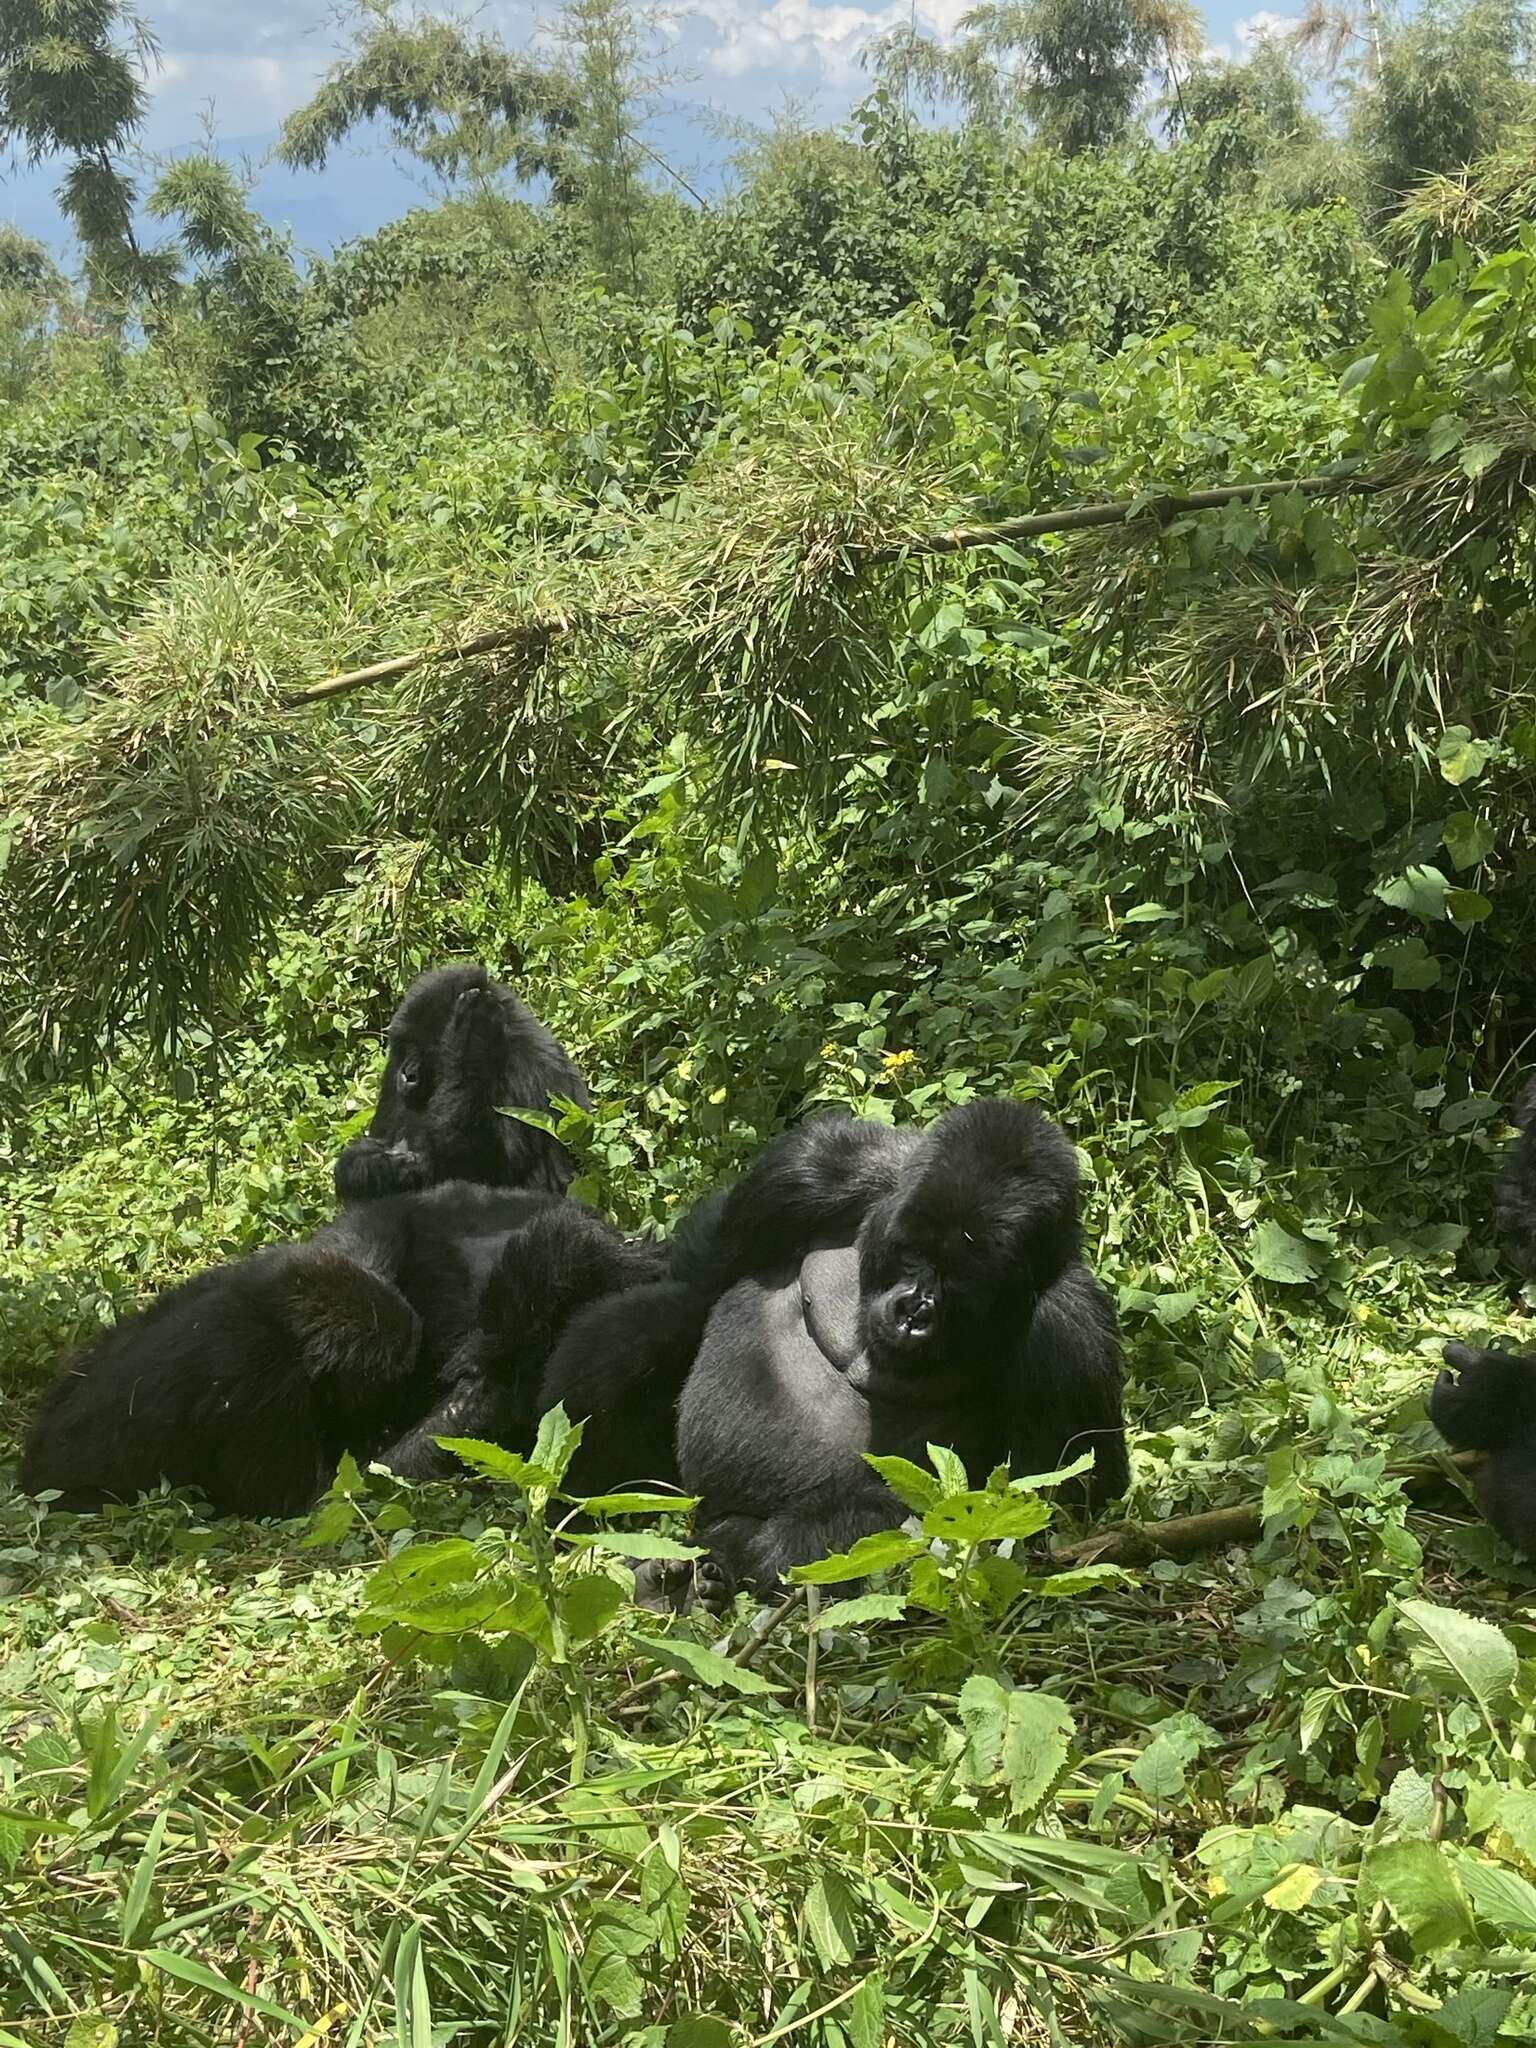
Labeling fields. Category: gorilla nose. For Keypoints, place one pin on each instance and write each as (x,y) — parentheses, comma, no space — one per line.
(914,1312)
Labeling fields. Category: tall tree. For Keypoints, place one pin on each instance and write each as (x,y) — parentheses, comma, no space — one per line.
(459,102)
(72,85)
(1075,69)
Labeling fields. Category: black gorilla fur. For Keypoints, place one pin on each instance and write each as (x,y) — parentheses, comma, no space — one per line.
(416,1315)
(461,1048)
(899,1289)
(1486,1401)
(1515,1196)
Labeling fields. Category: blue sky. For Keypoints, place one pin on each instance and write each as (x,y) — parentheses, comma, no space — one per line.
(736,65)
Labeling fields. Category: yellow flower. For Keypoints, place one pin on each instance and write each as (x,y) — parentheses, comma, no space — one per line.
(830,1051)
(893,1062)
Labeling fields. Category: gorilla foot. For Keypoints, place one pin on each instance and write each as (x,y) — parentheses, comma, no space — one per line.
(677,1585)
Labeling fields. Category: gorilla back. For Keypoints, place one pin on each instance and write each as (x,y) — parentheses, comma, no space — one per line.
(462,1050)
(247,1383)
(959,1312)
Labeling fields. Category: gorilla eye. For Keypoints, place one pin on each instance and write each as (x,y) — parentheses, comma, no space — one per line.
(410,1070)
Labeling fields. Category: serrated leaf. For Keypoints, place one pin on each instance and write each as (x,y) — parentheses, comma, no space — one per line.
(864,2015)
(588,1604)
(1480,455)
(1468,838)
(1161,1769)
(639,1503)
(971,1518)
(1275,1255)
(635,1543)
(1023,1737)
(952,1474)
(707,1666)
(912,1486)
(1421,1890)
(875,1553)
(1083,1578)
(868,1607)
(830,1921)
(1503,1898)
(493,1462)
(1460,1653)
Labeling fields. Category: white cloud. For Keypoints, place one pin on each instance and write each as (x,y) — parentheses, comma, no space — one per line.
(1260,27)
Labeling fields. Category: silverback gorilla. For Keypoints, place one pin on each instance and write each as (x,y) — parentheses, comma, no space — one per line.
(878,1291)
(462,1048)
(1486,1401)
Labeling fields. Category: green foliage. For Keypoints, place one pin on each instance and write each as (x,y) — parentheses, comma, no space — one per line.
(1450,82)
(1210,832)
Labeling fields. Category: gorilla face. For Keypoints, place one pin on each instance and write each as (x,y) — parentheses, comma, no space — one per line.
(419,1028)
(934,1288)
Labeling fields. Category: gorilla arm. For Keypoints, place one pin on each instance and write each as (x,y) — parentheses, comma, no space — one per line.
(812,1187)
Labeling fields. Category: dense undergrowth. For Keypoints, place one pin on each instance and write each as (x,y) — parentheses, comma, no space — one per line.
(1209,831)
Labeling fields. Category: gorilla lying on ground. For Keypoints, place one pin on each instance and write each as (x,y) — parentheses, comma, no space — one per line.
(461,1048)
(1486,1401)
(900,1289)
(1515,1196)
(250,1381)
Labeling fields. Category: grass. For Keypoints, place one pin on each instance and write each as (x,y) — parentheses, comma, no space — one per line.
(236,1809)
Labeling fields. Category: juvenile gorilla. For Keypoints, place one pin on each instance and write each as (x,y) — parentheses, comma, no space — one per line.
(1515,1197)
(901,1290)
(250,1381)
(462,1048)
(1486,1401)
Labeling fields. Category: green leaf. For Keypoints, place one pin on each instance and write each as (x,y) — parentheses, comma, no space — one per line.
(952,1475)
(1160,1771)
(970,1518)
(1459,1653)
(91,2030)
(1418,890)
(495,1463)
(912,1486)
(830,1922)
(556,1443)
(413,2004)
(1443,435)
(875,1553)
(1462,759)
(635,1543)
(1275,1255)
(191,1972)
(864,2014)
(1083,1578)
(1421,1890)
(867,1607)
(1025,1737)
(638,1503)
(1410,963)
(707,1666)
(1357,372)
(700,2032)
(588,1604)
(1468,838)
(1480,455)
(1466,906)
(1503,1898)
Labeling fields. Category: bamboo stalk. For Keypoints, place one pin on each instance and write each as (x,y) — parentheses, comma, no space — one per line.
(956,540)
